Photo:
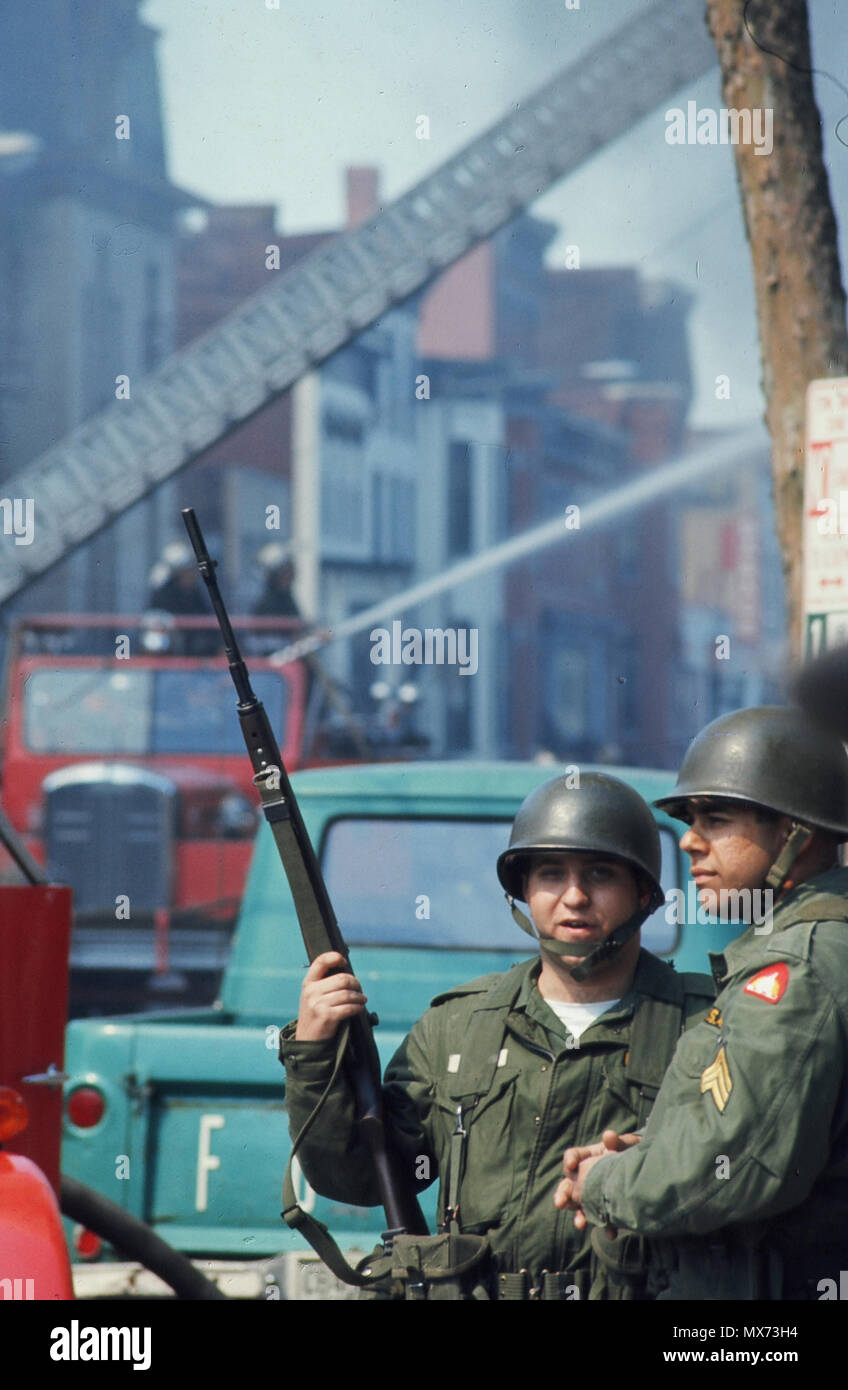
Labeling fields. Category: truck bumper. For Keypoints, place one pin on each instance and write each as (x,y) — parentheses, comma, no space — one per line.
(294,1276)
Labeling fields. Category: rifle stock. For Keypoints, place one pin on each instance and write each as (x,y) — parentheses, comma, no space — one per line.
(315,913)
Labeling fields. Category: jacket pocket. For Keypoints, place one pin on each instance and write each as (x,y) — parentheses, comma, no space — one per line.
(621,1103)
(488,1179)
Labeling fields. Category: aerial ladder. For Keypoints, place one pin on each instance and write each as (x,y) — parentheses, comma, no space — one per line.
(208,389)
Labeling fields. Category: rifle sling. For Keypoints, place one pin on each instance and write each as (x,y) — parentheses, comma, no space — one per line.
(317,940)
(318,937)
(293,1214)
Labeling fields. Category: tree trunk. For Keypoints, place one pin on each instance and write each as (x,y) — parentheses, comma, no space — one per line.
(792,233)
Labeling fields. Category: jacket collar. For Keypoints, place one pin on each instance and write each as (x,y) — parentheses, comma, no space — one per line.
(748,948)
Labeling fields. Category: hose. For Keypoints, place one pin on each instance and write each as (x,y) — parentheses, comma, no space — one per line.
(134,1239)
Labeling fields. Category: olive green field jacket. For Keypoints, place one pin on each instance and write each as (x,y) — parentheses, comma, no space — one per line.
(527,1092)
(747,1144)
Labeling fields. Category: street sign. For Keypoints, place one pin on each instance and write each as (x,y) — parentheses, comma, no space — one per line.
(825,529)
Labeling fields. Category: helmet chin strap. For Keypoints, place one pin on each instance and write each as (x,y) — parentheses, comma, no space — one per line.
(592,955)
(795,842)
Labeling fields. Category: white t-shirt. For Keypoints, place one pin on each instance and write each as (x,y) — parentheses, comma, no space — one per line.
(577,1017)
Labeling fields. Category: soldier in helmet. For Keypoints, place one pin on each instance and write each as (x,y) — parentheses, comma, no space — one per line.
(175,586)
(498,1070)
(277,599)
(741,1176)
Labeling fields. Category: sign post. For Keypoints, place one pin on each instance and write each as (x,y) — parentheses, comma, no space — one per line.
(825,530)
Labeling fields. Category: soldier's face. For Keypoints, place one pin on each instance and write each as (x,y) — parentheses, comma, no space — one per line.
(729,848)
(581,897)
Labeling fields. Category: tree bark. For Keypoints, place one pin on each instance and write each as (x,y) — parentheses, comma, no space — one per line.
(792,234)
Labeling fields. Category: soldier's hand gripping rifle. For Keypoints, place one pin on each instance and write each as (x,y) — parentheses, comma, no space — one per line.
(357,1050)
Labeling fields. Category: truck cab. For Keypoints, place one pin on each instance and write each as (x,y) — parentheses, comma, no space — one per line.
(191,1132)
(123,770)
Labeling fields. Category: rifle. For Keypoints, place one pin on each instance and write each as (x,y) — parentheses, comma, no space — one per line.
(320,929)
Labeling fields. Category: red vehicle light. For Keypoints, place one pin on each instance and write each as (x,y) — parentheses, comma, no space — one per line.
(86,1107)
(14,1115)
(87,1243)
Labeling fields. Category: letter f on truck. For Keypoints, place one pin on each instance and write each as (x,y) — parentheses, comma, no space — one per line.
(206,1161)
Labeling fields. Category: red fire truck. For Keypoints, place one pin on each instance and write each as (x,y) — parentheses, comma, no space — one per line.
(124,772)
(35,925)
(35,931)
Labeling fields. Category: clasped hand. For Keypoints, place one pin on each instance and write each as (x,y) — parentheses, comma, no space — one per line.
(577,1163)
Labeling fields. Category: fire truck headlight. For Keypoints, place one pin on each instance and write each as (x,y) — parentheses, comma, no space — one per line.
(236,817)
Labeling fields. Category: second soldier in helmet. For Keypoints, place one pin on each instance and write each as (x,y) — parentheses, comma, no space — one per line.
(498,1070)
(741,1178)
(277,599)
(175,585)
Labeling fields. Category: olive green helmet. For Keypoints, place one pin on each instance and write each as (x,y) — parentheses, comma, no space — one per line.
(601,815)
(772,756)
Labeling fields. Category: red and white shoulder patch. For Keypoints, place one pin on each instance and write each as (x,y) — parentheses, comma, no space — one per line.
(769,984)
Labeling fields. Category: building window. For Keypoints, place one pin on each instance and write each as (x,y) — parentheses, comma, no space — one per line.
(458,702)
(570,690)
(362,673)
(392,519)
(625,692)
(459,499)
(402,518)
(342,507)
(356,366)
(346,428)
(574,704)
(102,335)
(152,349)
(628,545)
(377,530)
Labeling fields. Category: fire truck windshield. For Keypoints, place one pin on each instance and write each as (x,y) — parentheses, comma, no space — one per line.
(145,711)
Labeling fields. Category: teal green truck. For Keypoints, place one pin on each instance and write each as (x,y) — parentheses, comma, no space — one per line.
(181,1117)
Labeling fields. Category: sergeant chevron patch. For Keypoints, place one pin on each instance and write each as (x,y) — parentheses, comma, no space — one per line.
(716,1079)
(769,984)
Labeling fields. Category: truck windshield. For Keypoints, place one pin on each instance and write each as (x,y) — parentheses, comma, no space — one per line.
(104,711)
(433,883)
